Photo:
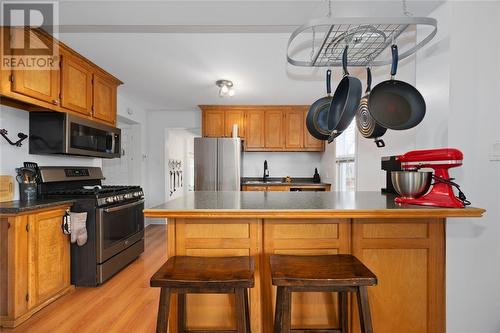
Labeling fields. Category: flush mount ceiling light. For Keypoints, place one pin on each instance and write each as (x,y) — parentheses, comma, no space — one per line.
(225,88)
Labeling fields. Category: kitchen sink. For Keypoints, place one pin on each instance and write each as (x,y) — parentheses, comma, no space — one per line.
(260,182)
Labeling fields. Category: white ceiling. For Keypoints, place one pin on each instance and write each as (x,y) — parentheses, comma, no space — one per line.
(169,53)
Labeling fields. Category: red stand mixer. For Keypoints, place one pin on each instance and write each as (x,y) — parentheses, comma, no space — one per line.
(441,193)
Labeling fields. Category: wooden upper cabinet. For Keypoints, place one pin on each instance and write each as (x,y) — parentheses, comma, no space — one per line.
(263,128)
(41,84)
(294,129)
(104,106)
(232,117)
(273,129)
(49,257)
(310,142)
(254,138)
(213,123)
(76,85)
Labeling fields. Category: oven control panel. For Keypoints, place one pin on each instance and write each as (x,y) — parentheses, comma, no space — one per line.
(113,199)
(77,172)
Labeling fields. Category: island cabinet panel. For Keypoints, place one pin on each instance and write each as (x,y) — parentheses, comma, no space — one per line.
(303,237)
(206,237)
(408,258)
(407,255)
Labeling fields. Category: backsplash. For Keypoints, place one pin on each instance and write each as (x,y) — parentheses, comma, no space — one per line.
(293,164)
(11,157)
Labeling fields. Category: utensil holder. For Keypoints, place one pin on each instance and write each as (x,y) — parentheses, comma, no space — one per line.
(27,191)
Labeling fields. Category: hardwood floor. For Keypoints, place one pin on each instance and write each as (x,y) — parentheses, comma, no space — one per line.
(125,303)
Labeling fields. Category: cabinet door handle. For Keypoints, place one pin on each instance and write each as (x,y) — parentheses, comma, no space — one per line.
(55,101)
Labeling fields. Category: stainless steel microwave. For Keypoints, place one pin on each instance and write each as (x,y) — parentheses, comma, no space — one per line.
(63,133)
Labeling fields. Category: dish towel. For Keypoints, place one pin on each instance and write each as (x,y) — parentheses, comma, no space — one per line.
(78,228)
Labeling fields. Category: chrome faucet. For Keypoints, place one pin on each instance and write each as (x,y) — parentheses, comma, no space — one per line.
(266,171)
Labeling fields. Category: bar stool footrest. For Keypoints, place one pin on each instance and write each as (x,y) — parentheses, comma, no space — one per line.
(317,330)
(208,331)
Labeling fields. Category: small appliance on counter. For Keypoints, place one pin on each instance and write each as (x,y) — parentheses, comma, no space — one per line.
(413,185)
(389,164)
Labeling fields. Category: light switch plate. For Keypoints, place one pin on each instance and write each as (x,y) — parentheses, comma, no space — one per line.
(495,151)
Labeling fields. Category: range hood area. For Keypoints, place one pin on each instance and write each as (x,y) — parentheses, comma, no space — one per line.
(66,134)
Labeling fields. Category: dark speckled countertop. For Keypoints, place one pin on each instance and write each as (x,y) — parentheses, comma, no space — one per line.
(298,205)
(16,207)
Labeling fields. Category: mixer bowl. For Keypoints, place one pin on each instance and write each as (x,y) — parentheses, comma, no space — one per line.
(411,184)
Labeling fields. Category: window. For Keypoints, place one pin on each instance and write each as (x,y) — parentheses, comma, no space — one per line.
(345,152)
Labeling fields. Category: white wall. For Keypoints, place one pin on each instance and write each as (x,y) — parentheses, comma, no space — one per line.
(132,120)
(179,146)
(473,245)
(369,176)
(460,85)
(157,123)
(12,157)
(293,164)
(15,120)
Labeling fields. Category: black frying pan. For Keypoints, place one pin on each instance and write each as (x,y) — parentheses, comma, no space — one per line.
(367,126)
(345,101)
(317,116)
(396,104)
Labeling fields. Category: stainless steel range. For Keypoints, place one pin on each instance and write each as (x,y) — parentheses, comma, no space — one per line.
(115,222)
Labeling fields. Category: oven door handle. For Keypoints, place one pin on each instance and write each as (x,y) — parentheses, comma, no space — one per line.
(115,209)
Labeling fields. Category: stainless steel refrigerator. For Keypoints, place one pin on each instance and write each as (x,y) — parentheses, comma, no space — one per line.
(217,164)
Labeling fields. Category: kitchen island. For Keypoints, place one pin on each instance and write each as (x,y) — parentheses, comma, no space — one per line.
(403,245)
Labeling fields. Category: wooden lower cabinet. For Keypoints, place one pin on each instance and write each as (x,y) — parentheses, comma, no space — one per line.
(200,237)
(35,263)
(301,237)
(406,255)
(408,258)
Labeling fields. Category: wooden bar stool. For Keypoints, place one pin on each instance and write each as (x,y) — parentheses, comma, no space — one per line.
(197,275)
(342,273)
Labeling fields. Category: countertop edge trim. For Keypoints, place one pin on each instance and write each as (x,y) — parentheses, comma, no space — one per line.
(385,213)
(28,211)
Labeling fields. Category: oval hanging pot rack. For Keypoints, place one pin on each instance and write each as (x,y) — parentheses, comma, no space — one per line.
(367,38)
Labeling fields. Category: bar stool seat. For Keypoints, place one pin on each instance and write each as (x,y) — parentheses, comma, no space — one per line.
(342,273)
(216,275)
